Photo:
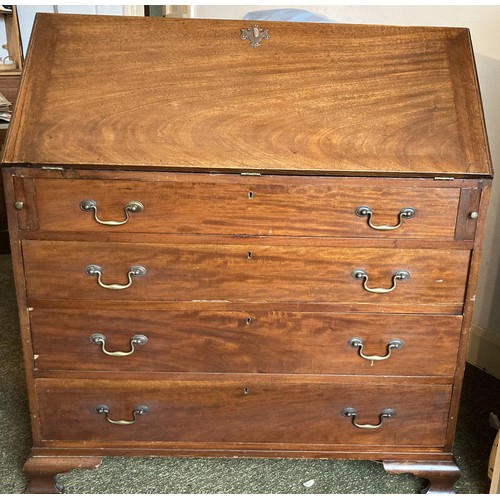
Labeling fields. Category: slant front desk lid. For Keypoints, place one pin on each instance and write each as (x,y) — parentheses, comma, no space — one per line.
(213,95)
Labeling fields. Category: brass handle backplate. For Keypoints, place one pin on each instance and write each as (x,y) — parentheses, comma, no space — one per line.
(99,338)
(138,410)
(134,272)
(351,413)
(404,213)
(359,274)
(391,345)
(130,207)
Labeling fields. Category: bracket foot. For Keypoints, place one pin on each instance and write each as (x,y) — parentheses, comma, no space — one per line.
(41,471)
(441,475)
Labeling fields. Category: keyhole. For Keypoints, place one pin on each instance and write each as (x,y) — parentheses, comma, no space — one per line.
(250,195)
(249,255)
(246,391)
(248,320)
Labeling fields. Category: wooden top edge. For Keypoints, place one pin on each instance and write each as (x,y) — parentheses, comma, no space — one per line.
(451,30)
(236,170)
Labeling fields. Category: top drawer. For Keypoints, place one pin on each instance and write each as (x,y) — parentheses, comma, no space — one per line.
(233,204)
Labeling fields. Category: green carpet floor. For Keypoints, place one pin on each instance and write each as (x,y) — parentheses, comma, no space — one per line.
(481,396)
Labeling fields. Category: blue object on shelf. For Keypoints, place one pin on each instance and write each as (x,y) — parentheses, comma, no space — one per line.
(294,15)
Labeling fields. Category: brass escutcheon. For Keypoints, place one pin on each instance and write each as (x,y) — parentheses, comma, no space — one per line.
(255,34)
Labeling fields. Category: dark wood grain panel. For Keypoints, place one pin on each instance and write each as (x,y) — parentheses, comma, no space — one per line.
(250,273)
(228,204)
(266,409)
(315,97)
(250,340)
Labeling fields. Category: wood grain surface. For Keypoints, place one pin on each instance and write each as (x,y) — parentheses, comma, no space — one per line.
(239,272)
(190,94)
(229,204)
(272,409)
(252,339)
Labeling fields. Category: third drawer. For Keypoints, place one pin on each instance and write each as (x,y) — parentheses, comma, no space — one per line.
(253,340)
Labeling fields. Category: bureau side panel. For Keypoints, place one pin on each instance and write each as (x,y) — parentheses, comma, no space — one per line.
(470,298)
(14,192)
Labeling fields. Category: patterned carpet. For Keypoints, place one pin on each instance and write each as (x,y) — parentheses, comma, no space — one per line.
(481,396)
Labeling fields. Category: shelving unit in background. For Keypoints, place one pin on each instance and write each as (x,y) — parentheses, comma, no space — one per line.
(9,87)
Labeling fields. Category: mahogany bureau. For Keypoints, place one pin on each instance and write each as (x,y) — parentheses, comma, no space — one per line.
(245,240)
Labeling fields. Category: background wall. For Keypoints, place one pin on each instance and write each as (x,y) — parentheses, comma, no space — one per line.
(27,14)
(484,24)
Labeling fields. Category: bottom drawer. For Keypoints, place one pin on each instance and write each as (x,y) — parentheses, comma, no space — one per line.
(244,409)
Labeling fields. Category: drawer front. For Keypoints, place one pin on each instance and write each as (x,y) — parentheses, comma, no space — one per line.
(241,409)
(250,273)
(229,204)
(244,341)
